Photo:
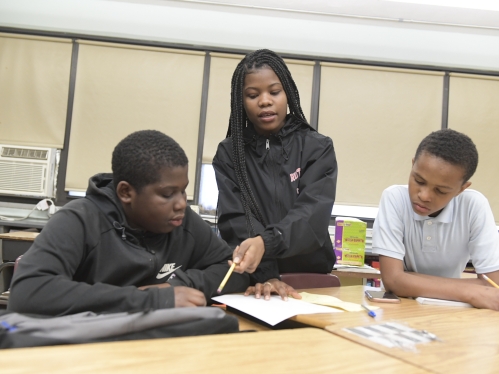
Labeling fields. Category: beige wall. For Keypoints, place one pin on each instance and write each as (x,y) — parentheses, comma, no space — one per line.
(124,89)
(375,116)
(34,86)
(218,109)
(474,110)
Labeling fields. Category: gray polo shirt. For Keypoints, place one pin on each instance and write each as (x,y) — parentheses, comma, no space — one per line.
(440,246)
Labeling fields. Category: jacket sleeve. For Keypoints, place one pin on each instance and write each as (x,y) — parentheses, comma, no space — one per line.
(305,228)
(209,262)
(43,282)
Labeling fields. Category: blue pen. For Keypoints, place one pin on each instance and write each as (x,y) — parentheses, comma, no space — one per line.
(370,313)
(7,327)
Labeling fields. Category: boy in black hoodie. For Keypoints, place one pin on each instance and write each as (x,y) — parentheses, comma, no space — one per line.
(131,244)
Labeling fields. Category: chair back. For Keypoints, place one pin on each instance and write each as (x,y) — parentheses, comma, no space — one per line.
(310,280)
(8,276)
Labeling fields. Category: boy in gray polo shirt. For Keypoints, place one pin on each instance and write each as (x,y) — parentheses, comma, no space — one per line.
(425,233)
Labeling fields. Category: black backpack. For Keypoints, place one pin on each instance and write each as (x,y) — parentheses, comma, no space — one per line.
(22,330)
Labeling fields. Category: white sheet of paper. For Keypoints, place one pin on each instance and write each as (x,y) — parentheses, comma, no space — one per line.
(274,310)
(431,301)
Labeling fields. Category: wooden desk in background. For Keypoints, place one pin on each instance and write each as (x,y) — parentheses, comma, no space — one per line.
(355,278)
(13,245)
(286,351)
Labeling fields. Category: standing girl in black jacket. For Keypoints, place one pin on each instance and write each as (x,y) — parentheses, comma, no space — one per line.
(276,178)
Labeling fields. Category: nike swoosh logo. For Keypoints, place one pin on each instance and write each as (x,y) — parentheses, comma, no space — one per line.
(162,275)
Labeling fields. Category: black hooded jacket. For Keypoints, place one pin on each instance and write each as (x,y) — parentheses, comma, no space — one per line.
(87,259)
(293,177)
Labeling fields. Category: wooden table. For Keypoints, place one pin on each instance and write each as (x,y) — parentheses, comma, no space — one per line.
(469,342)
(470,337)
(387,312)
(286,351)
(354,294)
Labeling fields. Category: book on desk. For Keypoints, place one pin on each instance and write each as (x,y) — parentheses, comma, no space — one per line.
(358,269)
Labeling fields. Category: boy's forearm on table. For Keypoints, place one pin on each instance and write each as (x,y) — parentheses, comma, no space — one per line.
(415,285)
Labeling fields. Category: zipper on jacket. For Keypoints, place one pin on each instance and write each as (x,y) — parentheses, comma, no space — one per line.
(267,144)
(142,243)
(277,181)
(274,168)
(151,251)
(138,242)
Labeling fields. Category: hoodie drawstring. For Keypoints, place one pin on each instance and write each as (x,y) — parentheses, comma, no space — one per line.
(118,226)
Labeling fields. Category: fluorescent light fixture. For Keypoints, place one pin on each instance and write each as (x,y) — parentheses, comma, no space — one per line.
(467,4)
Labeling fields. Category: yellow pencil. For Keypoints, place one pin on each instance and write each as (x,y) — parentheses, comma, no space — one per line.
(490,281)
(222,285)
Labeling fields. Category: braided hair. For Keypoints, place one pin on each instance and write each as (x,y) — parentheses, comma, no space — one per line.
(262,58)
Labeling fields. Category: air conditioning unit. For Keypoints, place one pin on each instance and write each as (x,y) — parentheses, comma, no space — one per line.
(28,171)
